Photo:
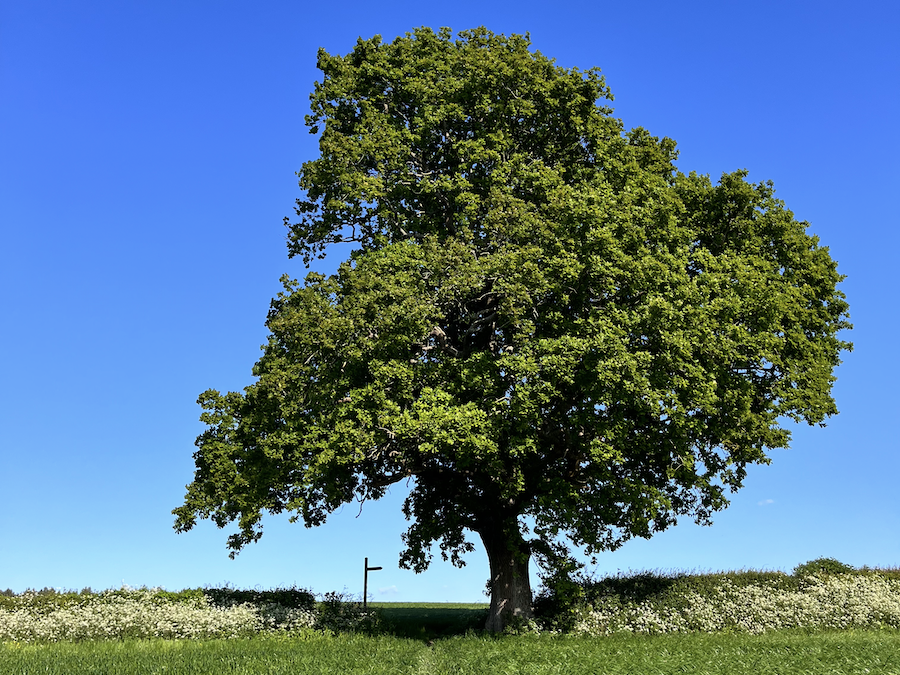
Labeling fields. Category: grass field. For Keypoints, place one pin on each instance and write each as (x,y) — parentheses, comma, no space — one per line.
(784,653)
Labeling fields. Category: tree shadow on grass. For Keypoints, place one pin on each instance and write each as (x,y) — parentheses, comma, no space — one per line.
(430,623)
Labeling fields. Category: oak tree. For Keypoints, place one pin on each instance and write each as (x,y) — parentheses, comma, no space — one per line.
(546,332)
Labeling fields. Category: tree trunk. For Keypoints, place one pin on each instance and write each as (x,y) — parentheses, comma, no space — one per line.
(510,586)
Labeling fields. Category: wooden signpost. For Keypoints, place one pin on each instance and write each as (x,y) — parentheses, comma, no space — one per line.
(366,580)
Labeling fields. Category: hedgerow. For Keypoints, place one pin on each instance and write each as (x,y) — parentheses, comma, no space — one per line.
(126,613)
(822,594)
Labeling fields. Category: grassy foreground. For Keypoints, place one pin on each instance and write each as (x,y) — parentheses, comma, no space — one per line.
(785,653)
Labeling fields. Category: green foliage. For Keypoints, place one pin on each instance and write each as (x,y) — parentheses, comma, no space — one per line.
(186,595)
(295,598)
(338,613)
(886,572)
(543,319)
(46,598)
(643,586)
(822,566)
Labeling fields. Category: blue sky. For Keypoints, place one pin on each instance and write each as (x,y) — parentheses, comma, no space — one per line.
(147,158)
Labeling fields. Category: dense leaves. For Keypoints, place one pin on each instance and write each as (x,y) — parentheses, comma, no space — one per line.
(546,330)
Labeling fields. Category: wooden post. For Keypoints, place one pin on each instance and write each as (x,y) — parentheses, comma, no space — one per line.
(366,571)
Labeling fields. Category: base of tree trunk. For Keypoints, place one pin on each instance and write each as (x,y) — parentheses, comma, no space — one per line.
(511,596)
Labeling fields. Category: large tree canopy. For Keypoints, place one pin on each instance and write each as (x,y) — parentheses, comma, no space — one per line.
(546,331)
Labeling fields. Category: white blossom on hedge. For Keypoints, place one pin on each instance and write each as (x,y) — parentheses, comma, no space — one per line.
(839,601)
(141,614)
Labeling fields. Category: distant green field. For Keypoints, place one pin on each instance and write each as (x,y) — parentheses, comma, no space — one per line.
(784,653)
(429,620)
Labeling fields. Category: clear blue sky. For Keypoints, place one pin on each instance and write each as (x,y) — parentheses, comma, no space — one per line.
(147,158)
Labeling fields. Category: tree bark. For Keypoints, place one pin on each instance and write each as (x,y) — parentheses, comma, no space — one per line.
(510,586)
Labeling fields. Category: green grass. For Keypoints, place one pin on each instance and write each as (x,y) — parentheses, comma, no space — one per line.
(338,655)
(701,654)
(784,653)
